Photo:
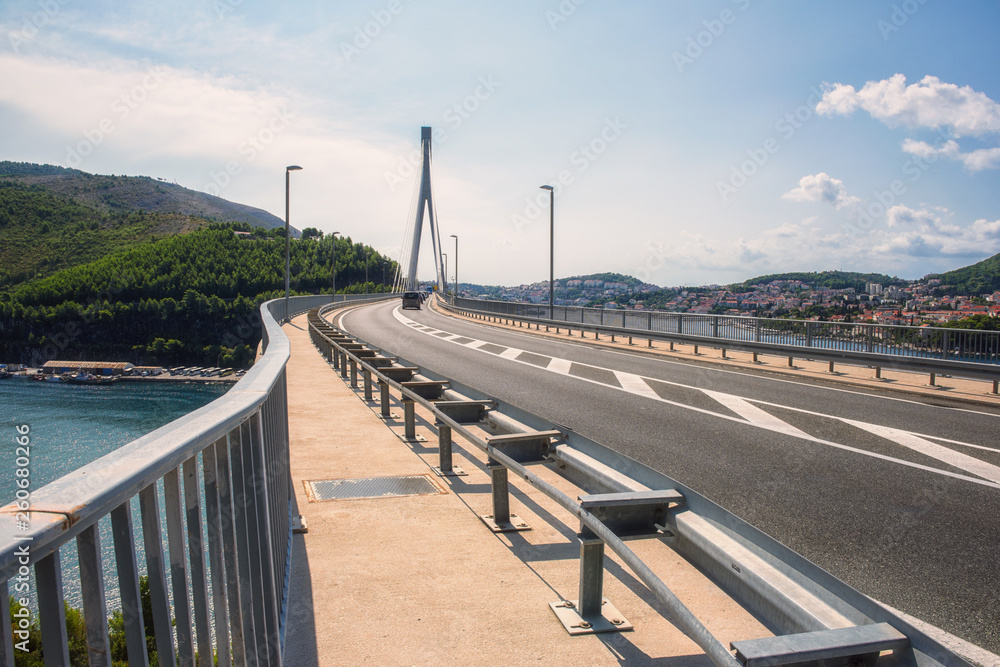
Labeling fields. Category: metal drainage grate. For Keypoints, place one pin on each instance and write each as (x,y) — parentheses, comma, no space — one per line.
(370,487)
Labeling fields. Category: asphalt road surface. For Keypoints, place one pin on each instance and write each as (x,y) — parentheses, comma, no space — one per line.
(899,497)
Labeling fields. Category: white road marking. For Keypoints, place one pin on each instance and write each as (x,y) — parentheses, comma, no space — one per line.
(932,449)
(760,418)
(561,366)
(635,385)
(511,353)
(755,415)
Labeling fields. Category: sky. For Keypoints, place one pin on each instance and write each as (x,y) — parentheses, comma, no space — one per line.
(689,143)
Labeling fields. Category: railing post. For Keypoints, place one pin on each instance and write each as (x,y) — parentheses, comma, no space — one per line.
(51,613)
(95,610)
(368,383)
(383,394)
(354,373)
(343,364)
(128,580)
(444,449)
(591,577)
(409,419)
(501,493)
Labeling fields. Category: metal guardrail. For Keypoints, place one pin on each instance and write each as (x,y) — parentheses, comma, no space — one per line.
(816,615)
(879,346)
(218,480)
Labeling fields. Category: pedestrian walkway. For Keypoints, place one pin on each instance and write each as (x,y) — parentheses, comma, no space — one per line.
(420,580)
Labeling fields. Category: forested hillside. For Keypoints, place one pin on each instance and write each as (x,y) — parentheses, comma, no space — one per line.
(827,279)
(52,218)
(980,278)
(181,299)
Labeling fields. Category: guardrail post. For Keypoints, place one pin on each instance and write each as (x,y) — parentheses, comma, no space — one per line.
(367,374)
(501,495)
(831,367)
(444,449)
(383,394)
(409,419)
(791,362)
(809,334)
(933,381)
(591,577)
(343,364)
(878,372)
(996,386)
(354,373)
(715,326)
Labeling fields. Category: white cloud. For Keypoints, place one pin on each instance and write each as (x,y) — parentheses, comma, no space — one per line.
(977,160)
(821,187)
(929,104)
(931,233)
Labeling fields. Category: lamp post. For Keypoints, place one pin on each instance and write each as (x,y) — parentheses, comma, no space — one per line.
(445,256)
(367,257)
(288,237)
(333,265)
(454,290)
(552,206)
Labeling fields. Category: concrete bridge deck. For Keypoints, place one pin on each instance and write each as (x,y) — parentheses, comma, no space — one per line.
(416,580)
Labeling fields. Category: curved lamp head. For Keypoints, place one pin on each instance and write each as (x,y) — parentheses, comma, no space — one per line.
(293,167)
(454,236)
(546,187)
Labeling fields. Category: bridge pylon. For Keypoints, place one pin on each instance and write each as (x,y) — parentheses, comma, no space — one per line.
(425,202)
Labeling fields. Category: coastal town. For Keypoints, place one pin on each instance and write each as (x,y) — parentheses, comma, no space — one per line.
(916,302)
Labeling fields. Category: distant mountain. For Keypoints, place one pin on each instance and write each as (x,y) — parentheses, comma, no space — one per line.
(53,218)
(130,194)
(980,278)
(828,279)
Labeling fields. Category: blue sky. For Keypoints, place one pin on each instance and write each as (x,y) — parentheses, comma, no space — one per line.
(698,142)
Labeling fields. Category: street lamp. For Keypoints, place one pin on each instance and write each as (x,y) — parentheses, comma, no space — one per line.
(367,258)
(333,264)
(288,265)
(455,289)
(445,256)
(552,207)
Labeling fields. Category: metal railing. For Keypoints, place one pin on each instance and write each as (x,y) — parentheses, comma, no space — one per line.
(900,340)
(628,500)
(212,497)
(934,350)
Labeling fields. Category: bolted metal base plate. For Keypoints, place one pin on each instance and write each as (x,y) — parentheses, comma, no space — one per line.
(514,526)
(455,471)
(610,619)
(394,416)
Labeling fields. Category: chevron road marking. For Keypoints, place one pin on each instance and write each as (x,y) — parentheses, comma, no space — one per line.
(751,415)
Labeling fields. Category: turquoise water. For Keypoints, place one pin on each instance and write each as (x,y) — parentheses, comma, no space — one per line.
(72,425)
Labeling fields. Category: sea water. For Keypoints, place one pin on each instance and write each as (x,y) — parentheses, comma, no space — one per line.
(71,425)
